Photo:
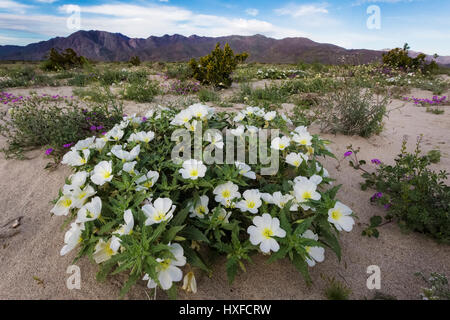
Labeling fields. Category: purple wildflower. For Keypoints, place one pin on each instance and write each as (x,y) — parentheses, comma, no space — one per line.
(48,151)
(375,161)
(348,154)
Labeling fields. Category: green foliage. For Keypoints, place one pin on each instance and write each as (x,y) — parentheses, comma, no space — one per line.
(135,61)
(371,230)
(439,287)
(67,59)
(44,122)
(353,110)
(141,91)
(205,95)
(413,194)
(336,290)
(216,68)
(180,71)
(399,58)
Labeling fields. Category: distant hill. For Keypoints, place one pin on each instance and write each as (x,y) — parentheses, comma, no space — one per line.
(106,46)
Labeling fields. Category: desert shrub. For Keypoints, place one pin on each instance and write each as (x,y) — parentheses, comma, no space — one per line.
(180,71)
(216,68)
(82,80)
(109,77)
(353,110)
(95,94)
(52,122)
(310,85)
(135,61)
(143,213)
(206,95)
(182,87)
(399,58)
(439,288)
(274,74)
(140,91)
(413,195)
(67,59)
(336,290)
(267,96)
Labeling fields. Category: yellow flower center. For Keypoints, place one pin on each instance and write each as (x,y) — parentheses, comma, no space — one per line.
(303,141)
(194,173)
(83,161)
(109,251)
(66,203)
(267,233)
(82,195)
(306,195)
(296,163)
(282,146)
(226,194)
(165,264)
(148,184)
(106,174)
(251,204)
(336,214)
(201,210)
(160,216)
(308,249)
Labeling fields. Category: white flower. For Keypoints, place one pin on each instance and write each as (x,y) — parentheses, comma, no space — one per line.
(263,230)
(84,144)
(102,173)
(115,134)
(302,137)
(191,126)
(245,170)
(315,253)
(340,217)
(325,171)
(215,138)
(142,136)
(161,210)
(201,207)
(147,181)
(79,196)
(281,200)
(295,159)
(199,111)
(99,144)
(63,206)
(189,283)
(304,190)
(238,132)
(72,238)
(90,211)
(126,155)
(286,118)
(124,229)
(182,118)
(252,201)
(129,167)
(223,215)
(74,159)
(167,269)
(280,143)
(239,117)
(269,116)
(267,197)
(193,169)
(103,251)
(252,130)
(226,192)
(77,180)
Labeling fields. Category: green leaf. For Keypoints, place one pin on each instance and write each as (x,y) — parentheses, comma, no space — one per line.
(375,221)
(192,233)
(301,265)
(132,279)
(170,234)
(180,217)
(195,259)
(232,269)
(172,292)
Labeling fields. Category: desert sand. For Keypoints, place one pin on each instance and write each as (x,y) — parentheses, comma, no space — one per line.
(31,267)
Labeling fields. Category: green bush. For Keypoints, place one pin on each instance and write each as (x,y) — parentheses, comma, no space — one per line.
(141,91)
(399,58)
(53,123)
(413,194)
(67,59)
(353,110)
(135,61)
(216,68)
(180,71)
(205,95)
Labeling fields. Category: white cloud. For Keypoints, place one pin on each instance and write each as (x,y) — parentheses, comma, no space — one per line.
(302,10)
(46,1)
(13,6)
(252,12)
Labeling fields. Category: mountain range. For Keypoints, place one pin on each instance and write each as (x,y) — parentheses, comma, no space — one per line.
(107,46)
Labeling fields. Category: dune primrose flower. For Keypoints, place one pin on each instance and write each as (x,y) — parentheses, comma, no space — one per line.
(263,230)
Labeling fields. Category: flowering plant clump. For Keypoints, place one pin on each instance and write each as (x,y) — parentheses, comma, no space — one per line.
(181,87)
(135,208)
(271,73)
(436,100)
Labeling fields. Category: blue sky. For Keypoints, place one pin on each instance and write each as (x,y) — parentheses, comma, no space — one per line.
(424,24)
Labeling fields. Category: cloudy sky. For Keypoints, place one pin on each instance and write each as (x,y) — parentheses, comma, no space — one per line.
(372,24)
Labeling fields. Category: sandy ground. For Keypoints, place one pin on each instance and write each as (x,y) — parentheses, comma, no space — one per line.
(32,268)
